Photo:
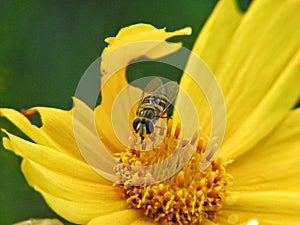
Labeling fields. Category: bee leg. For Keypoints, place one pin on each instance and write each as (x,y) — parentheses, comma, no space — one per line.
(167,117)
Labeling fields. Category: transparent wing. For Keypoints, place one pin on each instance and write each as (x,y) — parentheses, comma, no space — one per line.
(168,90)
(153,85)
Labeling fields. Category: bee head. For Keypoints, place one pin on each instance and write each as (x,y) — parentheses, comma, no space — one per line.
(143,126)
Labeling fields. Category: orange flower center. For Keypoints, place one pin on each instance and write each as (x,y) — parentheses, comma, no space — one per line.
(187,197)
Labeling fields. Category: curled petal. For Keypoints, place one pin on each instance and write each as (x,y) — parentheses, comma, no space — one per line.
(140,40)
(152,45)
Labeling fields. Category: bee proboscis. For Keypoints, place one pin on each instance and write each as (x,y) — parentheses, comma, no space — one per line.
(154,103)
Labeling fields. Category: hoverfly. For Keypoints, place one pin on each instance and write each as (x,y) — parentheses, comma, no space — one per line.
(154,103)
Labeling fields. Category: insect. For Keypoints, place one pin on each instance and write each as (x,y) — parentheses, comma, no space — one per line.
(154,103)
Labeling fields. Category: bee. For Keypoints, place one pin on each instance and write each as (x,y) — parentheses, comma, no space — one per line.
(153,105)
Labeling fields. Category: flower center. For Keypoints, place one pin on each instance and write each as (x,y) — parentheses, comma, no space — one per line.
(186,197)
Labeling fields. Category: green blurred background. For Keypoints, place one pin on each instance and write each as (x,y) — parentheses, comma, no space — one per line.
(45,47)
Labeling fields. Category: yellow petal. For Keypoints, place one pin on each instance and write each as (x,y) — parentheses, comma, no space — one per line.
(287,130)
(273,164)
(258,88)
(208,222)
(217,32)
(67,187)
(149,36)
(213,40)
(135,41)
(144,221)
(140,40)
(268,113)
(56,131)
(124,217)
(245,218)
(105,115)
(51,159)
(267,208)
(82,212)
(57,124)
(247,69)
(268,202)
(33,132)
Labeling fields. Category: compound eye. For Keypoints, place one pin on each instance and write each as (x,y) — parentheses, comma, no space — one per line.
(149,126)
(135,123)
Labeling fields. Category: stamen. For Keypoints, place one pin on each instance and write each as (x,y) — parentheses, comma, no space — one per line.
(187,197)
(180,179)
(177,131)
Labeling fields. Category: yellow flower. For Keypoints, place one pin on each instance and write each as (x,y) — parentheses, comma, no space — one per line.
(256,59)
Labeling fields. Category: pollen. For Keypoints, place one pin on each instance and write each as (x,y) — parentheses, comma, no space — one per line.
(187,197)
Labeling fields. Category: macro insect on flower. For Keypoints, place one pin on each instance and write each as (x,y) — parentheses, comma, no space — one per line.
(252,180)
(154,103)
